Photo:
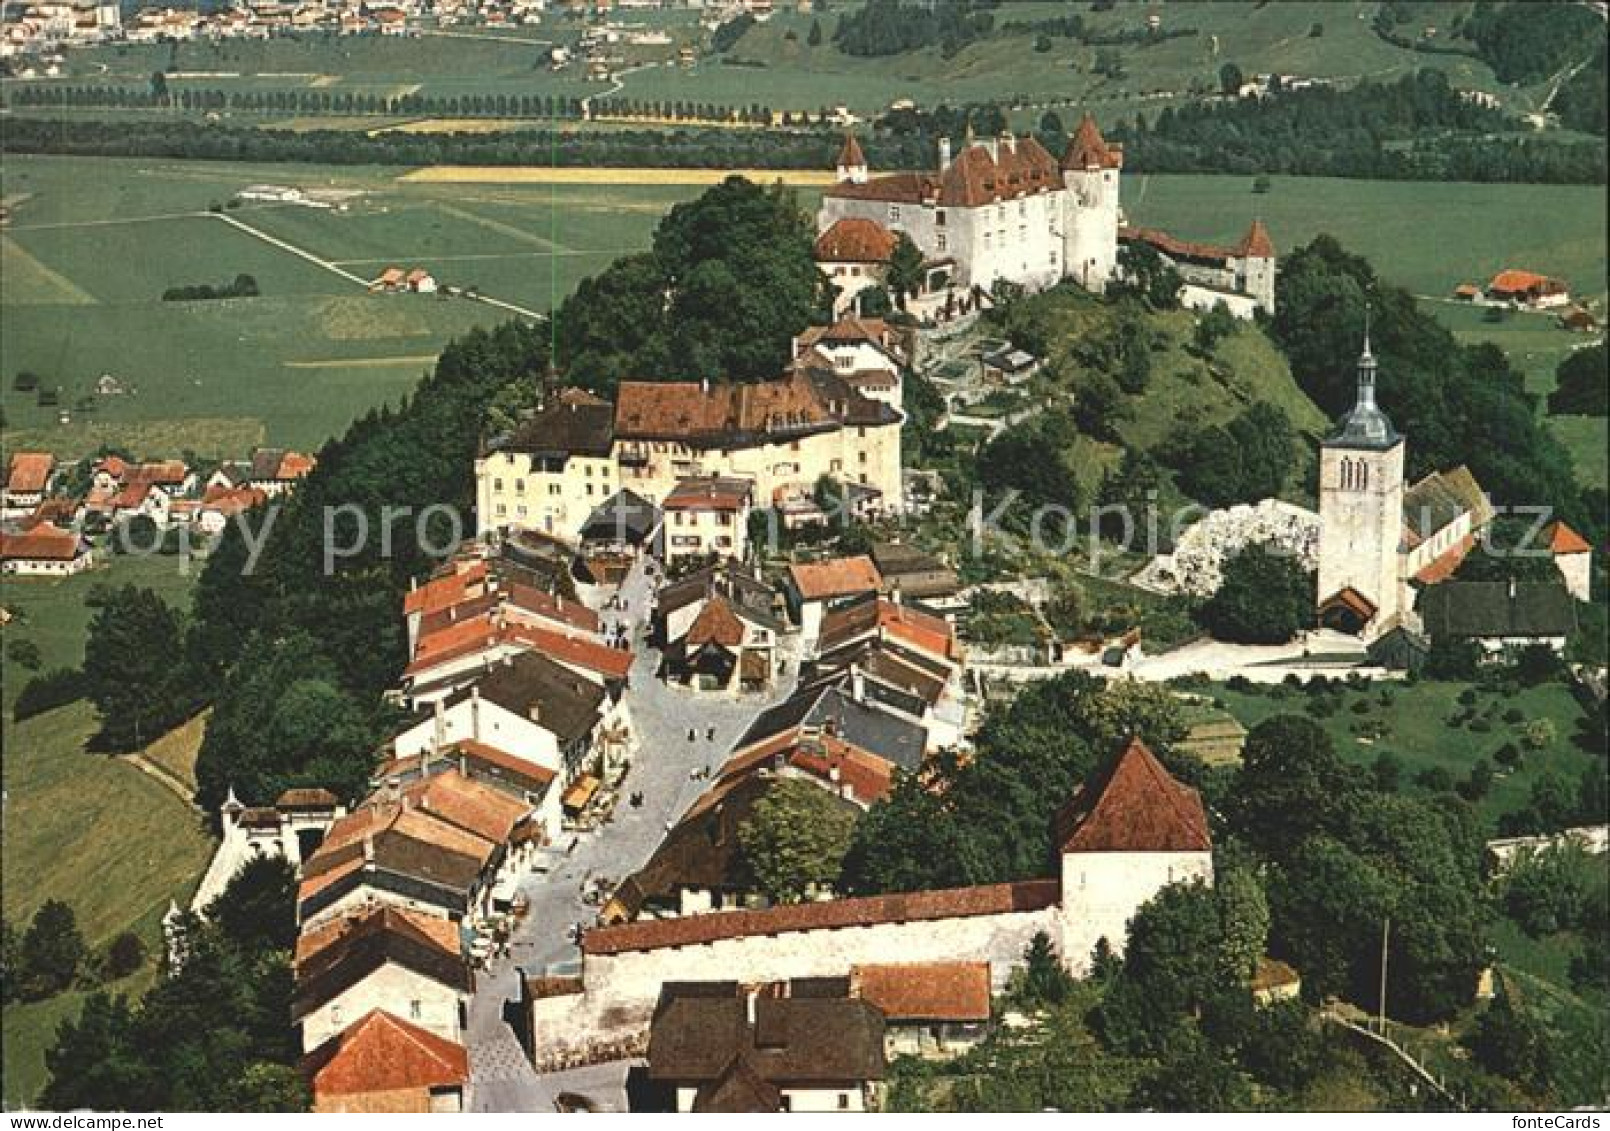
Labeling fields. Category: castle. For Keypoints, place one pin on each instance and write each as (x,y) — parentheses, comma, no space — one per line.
(1002,208)
(1375,535)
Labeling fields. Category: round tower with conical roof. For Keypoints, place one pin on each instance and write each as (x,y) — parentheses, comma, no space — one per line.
(1090,170)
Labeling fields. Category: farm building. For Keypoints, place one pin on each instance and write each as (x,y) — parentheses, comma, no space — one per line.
(45,551)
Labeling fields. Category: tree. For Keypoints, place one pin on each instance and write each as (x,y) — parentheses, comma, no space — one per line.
(1191,1075)
(795,839)
(11,968)
(1265,598)
(1145,271)
(1045,981)
(1213,326)
(1243,921)
(814,37)
(257,910)
(138,696)
(1172,967)
(1230,80)
(52,951)
(97,1063)
(905,275)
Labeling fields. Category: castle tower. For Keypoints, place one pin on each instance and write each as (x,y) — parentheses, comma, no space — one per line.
(1090,169)
(1255,265)
(1361,515)
(852,162)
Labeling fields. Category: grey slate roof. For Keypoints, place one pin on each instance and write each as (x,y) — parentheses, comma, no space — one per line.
(565,703)
(826,705)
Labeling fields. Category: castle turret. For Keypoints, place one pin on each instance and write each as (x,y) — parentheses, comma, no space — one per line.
(1090,168)
(852,165)
(1361,514)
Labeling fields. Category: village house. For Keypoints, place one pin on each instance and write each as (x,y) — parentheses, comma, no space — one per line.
(1007,365)
(1528,289)
(381,1064)
(1241,276)
(729,1048)
(1573,557)
(678,603)
(1126,833)
(854,254)
(866,353)
(219,505)
(706,517)
(380,957)
(1003,208)
(27,477)
(813,587)
(783,435)
(1502,617)
(276,471)
(826,724)
(45,550)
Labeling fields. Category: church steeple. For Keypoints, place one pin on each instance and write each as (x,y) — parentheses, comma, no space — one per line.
(852,164)
(1365,425)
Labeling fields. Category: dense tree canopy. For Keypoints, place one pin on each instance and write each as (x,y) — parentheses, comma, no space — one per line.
(1266,597)
(795,839)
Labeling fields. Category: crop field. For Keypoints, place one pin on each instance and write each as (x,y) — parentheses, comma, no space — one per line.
(92,244)
(774,63)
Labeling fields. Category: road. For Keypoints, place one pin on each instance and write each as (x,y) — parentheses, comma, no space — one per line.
(662,762)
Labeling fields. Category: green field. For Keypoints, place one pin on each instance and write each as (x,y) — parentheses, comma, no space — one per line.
(98,834)
(1416,731)
(94,243)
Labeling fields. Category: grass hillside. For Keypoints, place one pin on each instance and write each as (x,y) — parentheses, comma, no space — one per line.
(101,836)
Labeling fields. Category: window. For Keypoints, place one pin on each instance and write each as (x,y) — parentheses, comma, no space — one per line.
(520,510)
(939,241)
(554,489)
(502,510)
(844,1101)
(497,484)
(414,1010)
(894,212)
(519,486)
(939,218)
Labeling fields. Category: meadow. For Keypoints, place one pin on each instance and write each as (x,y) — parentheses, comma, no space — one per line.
(774,62)
(92,244)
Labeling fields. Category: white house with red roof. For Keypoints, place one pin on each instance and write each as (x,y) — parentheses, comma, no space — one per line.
(1001,208)
(1130,831)
(45,550)
(1573,557)
(27,476)
(707,517)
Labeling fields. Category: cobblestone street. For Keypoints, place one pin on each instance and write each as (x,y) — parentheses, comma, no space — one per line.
(663,761)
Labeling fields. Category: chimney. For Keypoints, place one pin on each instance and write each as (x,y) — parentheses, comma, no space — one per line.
(368,851)
(475,712)
(944,154)
(536,712)
(994,147)
(749,1004)
(1009,139)
(858,685)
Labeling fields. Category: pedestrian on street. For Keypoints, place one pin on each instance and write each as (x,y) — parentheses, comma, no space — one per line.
(710,734)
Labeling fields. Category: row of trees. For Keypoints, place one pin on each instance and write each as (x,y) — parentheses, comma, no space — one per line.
(242,286)
(52,956)
(1417,128)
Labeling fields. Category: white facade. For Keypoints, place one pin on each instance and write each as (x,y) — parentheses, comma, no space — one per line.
(553,496)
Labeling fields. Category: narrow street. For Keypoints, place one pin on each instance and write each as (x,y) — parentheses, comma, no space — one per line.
(663,761)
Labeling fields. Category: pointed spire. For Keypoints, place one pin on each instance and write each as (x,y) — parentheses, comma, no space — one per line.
(1365,425)
(1087,149)
(1256,244)
(231,802)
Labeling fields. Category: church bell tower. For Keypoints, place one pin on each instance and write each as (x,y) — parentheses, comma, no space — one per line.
(1361,515)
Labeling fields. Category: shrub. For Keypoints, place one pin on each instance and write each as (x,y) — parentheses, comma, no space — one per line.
(123,956)
(1514,715)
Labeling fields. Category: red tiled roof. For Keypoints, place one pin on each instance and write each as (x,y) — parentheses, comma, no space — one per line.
(925,991)
(1447,563)
(1177,248)
(46,542)
(1134,806)
(1088,149)
(1018,167)
(496,756)
(430,931)
(855,240)
(1563,540)
(574,651)
(465,803)
(1352,600)
(295,465)
(382,1053)
(908,907)
(229,501)
(836,577)
(540,603)
(688,410)
(29,473)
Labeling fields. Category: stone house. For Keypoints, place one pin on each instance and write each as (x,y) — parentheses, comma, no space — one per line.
(814,587)
(930,1009)
(552,471)
(706,517)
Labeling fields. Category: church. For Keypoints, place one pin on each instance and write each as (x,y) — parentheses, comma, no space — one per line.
(1375,534)
(1001,208)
